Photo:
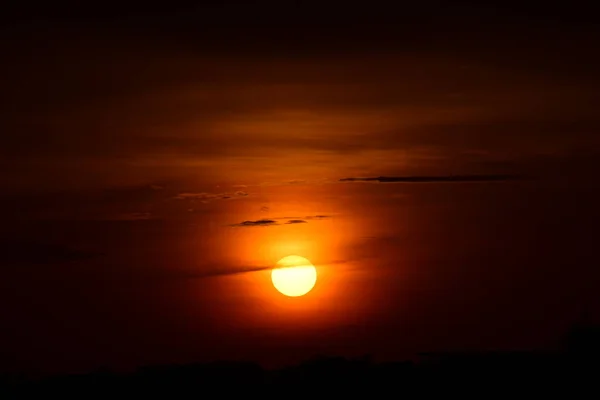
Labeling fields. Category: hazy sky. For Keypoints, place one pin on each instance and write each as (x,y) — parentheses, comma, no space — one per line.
(138,153)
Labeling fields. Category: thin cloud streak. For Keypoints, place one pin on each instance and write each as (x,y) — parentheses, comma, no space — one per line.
(273,221)
(206,197)
(258,268)
(433,179)
(260,222)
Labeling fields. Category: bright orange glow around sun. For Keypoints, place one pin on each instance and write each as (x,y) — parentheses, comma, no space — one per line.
(294,276)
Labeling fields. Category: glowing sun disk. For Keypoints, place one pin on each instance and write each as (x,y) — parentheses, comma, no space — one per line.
(294,276)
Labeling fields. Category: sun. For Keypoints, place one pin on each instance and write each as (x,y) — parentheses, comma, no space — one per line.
(294,276)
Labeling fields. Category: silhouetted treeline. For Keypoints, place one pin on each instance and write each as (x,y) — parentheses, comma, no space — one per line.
(577,368)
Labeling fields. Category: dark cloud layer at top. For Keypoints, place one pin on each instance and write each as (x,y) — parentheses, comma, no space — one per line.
(441,178)
(163,110)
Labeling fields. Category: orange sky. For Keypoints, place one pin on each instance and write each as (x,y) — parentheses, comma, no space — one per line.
(138,169)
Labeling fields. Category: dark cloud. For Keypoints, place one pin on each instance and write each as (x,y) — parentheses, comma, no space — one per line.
(317,217)
(19,252)
(440,178)
(274,221)
(260,222)
(134,216)
(130,115)
(111,203)
(222,270)
(305,218)
(134,193)
(206,197)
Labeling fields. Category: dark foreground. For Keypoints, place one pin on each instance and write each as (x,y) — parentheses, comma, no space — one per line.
(480,373)
(573,372)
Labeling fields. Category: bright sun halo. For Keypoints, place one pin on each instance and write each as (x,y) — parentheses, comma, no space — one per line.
(294,276)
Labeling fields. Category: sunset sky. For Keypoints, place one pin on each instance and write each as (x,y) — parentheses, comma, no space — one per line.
(156,164)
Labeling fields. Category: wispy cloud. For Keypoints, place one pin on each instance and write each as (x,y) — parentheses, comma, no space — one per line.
(275,221)
(33,252)
(318,217)
(308,217)
(134,216)
(260,222)
(434,178)
(226,270)
(207,197)
(295,182)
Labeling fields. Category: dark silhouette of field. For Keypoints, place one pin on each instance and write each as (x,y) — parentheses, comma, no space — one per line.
(575,368)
